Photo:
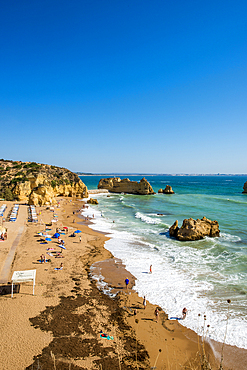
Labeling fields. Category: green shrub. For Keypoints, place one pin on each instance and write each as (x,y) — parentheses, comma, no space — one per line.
(31,165)
(8,194)
(53,183)
(15,180)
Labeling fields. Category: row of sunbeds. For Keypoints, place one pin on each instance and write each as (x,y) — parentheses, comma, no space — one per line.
(32,215)
(14,213)
(2,209)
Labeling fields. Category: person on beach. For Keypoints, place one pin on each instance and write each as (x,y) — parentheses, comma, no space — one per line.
(127,282)
(59,268)
(150,269)
(156,314)
(184,312)
(42,258)
(80,239)
(144,302)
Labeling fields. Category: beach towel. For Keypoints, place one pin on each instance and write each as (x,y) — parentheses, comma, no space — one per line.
(105,336)
(175,318)
(58,268)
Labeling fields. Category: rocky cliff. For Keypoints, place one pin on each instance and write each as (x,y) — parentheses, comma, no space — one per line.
(38,183)
(194,229)
(245,188)
(116,185)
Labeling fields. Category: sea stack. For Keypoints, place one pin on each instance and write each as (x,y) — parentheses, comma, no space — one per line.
(92,201)
(245,187)
(116,185)
(167,190)
(194,229)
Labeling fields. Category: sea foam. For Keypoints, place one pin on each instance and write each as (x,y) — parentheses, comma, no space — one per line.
(182,276)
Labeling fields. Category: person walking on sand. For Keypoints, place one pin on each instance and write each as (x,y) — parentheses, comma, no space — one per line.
(127,282)
(156,314)
(144,302)
(80,239)
(150,269)
(184,312)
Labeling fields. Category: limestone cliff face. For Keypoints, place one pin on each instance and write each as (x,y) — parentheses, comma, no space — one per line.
(45,194)
(40,184)
(116,185)
(245,188)
(194,229)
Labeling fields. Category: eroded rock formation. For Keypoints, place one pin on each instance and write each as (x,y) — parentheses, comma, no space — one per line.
(39,183)
(116,185)
(245,187)
(92,201)
(167,190)
(194,229)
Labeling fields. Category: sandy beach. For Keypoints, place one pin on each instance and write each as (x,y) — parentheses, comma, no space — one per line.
(69,323)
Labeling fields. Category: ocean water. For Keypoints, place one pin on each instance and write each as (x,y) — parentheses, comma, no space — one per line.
(199,275)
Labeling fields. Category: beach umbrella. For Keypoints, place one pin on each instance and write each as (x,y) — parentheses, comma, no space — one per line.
(62,246)
(48,239)
(56,235)
(77,231)
(65,227)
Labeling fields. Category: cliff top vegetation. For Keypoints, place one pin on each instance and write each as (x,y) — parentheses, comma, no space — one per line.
(16,172)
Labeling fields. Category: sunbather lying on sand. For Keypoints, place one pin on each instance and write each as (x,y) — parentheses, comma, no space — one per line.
(59,268)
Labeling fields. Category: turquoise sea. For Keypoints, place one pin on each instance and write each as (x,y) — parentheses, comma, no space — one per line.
(200,275)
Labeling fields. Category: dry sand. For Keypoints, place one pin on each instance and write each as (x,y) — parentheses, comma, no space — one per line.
(59,327)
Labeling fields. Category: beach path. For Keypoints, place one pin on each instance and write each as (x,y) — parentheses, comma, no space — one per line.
(9,246)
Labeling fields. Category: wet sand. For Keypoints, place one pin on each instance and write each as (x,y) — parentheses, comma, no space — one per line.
(62,323)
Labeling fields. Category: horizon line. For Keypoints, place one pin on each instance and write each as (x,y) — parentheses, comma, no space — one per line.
(157,174)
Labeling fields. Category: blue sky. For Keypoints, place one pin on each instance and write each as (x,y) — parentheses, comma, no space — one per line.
(125,86)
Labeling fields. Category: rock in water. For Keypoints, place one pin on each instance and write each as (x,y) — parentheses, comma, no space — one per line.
(194,229)
(245,187)
(167,190)
(92,201)
(116,185)
(174,230)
